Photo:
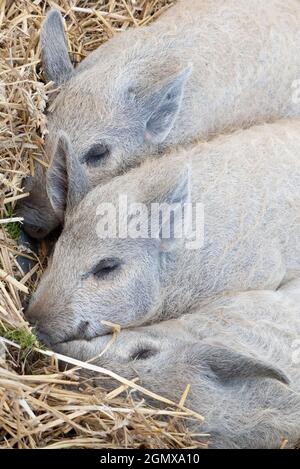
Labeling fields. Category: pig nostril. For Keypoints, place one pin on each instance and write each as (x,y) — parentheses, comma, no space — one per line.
(82,328)
(32,321)
(43,337)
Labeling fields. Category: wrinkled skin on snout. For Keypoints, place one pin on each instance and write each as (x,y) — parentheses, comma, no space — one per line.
(39,217)
(236,355)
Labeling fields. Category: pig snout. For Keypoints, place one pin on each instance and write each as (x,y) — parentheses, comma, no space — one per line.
(43,337)
(50,333)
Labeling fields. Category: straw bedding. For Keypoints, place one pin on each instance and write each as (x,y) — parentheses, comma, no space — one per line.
(40,406)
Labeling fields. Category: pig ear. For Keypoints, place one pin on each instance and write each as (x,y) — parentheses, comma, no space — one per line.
(162,106)
(226,364)
(56,179)
(179,192)
(56,61)
(66,182)
(171,223)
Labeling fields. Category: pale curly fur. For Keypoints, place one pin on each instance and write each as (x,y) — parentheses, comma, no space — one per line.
(244,55)
(249,185)
(240,355)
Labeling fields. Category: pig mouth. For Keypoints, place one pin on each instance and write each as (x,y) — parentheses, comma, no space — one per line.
(78,337)
(48,341)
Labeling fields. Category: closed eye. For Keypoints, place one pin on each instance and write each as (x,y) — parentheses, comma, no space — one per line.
(105,267)
(143,353)
(96,154)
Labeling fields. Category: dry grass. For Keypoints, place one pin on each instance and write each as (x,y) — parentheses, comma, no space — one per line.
(41,406)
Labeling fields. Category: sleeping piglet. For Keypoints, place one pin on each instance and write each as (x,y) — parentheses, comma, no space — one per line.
(204,67)
(239,354)
(150,244)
